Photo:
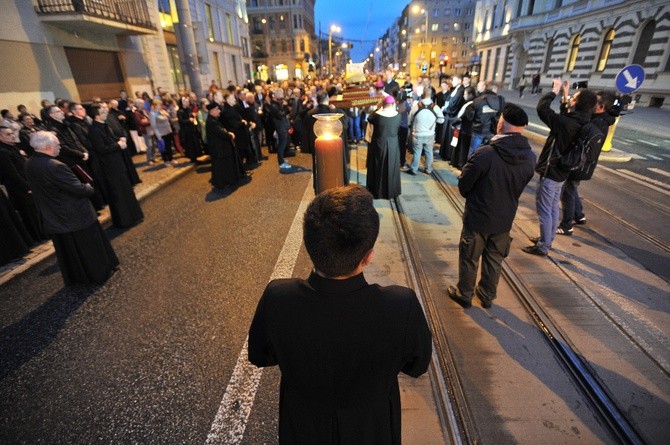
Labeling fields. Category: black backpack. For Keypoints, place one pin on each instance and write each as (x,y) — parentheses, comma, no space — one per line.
(583,152)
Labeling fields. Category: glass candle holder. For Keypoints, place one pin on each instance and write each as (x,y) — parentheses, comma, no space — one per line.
(329,166)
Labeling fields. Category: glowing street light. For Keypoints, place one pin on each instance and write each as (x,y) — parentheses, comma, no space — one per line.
(333,28)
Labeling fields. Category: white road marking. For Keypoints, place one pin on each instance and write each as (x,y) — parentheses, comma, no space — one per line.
(231,419)
(659,171)
(645,179)
(648,143)
(655,158)
(621,141)
(623,175)
(541,127)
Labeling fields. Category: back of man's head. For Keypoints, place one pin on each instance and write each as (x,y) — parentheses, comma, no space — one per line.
(339,228)
(586,100)
(322,98)
(513,118)
(606,100)
(427,93)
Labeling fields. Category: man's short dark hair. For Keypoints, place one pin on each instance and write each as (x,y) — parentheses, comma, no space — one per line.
(586,100)
(322,98)
(339,228)
(94,110)
(606,99)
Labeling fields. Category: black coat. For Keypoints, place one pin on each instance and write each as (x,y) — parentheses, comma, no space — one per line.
(123,204)
(456,101)
(61,198)
(226,168)
(340,345)
(71,149)
(492,181)
(563,129)
(13,176)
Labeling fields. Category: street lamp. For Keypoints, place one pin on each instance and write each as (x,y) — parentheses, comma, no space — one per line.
(417,9)
(333,28)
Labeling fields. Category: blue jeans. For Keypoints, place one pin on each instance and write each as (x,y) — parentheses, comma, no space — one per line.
(572,205)
(475,142)
(547,199)
(355,128)
(282,143)
(422,144)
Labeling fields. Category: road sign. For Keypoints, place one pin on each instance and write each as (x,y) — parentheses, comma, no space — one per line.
(629,79)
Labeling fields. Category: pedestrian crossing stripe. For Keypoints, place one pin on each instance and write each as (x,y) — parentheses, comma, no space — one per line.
(659,171)
(645,179)
(648,143)
(655,158)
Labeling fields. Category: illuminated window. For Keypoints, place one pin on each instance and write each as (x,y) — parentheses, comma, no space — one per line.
(210,22)
(229,28)
(435,27)
(572,57)
(605,50)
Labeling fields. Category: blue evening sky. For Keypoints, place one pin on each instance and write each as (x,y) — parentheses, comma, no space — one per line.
(359,20)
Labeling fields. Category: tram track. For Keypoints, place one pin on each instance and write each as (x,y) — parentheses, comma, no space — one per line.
(458,420)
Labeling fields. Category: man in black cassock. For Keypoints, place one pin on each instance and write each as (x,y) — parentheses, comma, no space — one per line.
(339,341)
(84,253)
(123,205)
(226,167)
(13,177)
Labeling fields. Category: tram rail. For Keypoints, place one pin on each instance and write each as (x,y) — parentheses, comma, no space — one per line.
(454,412)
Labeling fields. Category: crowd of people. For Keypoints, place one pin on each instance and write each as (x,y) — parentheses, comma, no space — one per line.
(229,126)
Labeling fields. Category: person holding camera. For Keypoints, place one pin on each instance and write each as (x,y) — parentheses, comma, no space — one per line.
(604,116)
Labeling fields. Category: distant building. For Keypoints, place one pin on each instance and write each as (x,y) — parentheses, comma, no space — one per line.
(282,38)
(431,36)
(579,41)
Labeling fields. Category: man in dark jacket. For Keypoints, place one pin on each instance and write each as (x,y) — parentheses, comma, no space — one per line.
(491,182)
(340,342)
(487,107)
(84,253)
(573,211)
(563,130)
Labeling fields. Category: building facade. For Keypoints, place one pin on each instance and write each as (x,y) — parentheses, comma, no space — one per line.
(431,37)
(220,33)
(78,50)
(282,38)
(585,41)
(74,50)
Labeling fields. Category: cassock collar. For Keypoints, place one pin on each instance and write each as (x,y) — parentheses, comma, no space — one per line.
(329,285)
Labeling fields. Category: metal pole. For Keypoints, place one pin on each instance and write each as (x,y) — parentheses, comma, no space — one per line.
(330,51)
(187,43)
(429,48)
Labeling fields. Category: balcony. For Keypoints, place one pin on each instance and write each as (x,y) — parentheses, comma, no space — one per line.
(103,16)
(259,55)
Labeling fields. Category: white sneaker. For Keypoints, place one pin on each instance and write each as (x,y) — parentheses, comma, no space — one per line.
(285,165)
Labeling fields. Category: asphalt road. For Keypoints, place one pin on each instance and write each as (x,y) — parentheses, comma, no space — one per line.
(146,357)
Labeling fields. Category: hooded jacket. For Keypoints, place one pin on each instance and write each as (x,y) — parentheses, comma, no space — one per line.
(492,181)
(563,129)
